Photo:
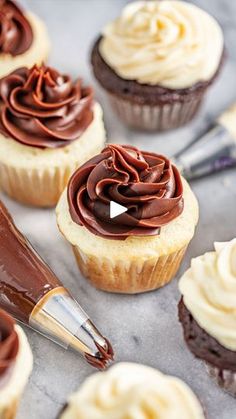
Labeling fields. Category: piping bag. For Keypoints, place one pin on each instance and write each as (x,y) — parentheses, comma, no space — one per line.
(214,151)
(33,295)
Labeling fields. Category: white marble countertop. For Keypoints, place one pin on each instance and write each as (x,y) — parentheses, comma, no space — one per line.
(142,328)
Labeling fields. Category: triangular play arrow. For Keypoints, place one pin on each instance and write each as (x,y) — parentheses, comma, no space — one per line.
(116,209)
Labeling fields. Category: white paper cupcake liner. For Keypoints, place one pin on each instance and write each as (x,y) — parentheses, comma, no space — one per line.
(41,188)
(129,277)
(158,117)
(224,378)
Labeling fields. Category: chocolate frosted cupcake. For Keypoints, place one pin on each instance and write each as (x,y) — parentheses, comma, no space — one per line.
(23,38)
(156,62)
(207,312)
(130,390)
(49,125)
(141,249)
(15,365)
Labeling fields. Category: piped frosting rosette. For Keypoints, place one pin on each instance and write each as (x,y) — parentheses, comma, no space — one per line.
(42,108)
(173,44)
(9,343)
(16,34)
(209,292)
(147,184)
(15,365)
(133,391)
(23,38)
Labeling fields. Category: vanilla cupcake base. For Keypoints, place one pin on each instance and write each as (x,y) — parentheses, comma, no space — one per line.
(224,378)
(36,54)
(37,177)
(11,392)
(136,264)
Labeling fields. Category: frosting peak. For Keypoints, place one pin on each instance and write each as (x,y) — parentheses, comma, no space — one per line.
(42,108)
(147,184)
(9,343)
(209,292)
(133,391)
(16,34)
(173,44)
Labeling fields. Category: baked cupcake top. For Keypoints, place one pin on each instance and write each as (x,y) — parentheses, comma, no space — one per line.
(209,293)
(9,343)
(16,34)
(168,43)
(40,107)
(129,390)
(147,184)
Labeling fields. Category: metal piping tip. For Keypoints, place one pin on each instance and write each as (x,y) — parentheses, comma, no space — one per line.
(60,318)
(214,151)
(103,357)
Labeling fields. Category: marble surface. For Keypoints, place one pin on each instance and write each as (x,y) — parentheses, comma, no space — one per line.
(142,328)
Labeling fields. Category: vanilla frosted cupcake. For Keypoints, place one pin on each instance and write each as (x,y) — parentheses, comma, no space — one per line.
(207,312)
(16,363)
(133,391)
(49,125)
(156,62)
(23,38)
(141,249)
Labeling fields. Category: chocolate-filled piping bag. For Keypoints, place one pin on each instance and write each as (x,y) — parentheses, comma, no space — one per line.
(32,293)
(214,151)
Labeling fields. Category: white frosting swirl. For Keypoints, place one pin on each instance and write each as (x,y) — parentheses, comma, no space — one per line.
(133,391)
(170,43)
(209,292)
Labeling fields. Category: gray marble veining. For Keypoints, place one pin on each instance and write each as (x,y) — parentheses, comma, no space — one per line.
(142,328)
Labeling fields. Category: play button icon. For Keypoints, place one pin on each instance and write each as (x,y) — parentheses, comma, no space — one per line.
(117,219)
(116,209)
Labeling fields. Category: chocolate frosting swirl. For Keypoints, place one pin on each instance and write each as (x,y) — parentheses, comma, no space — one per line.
(147,184)
(16,35)
(9,342)
(42,108)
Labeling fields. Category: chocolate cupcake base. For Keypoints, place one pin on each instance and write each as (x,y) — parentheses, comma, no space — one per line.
(147,107)
(204,346)
(224,378)
(220,361)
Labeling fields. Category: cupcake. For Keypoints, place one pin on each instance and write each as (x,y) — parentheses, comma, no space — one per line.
(16,363)
(49,125)
(207,312)
(130,390)
(23,38)
(142,248)
(156,62)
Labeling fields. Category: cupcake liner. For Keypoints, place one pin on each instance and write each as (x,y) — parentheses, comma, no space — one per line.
(160,117)
(36,187)
(226,379)
(126,276)
(62,411)
(9,411)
